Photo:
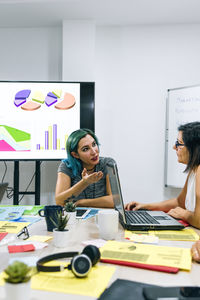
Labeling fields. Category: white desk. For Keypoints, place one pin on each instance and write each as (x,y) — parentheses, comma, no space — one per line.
(86,230)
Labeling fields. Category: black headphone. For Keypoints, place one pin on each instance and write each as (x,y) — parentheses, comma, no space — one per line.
(80,264)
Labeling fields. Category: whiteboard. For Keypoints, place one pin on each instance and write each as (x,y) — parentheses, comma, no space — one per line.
(183,106)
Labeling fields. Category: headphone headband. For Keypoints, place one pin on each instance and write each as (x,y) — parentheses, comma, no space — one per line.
(42,268)
(80,264)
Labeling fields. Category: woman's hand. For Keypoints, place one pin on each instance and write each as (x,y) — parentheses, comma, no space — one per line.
(91,178)
(195,251)
(177,213)
(134,206)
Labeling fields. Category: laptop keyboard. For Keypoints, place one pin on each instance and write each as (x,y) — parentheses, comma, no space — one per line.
(140,217)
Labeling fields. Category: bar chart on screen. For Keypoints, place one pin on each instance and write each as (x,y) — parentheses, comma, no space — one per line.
(51,139)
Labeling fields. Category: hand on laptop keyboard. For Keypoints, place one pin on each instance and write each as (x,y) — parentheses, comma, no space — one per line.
(135,206)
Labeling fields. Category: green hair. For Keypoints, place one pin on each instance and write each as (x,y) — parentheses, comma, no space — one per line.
(72,146)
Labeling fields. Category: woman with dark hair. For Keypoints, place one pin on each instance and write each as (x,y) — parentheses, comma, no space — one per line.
(187,205)
(82,177)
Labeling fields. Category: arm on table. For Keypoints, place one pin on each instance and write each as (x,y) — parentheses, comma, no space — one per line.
(165,205)
(64,189)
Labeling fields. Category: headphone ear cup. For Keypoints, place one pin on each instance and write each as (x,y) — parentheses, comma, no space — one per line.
(93,253)
(80,265)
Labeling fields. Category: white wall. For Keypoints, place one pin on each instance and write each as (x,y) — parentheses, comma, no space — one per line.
(134,67)
(78,50)
(31,54)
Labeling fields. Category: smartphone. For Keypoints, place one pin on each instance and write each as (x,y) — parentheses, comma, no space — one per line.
(179,293)
(82,213)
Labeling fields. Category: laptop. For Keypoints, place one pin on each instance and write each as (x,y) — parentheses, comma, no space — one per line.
(3,187)
(140,219)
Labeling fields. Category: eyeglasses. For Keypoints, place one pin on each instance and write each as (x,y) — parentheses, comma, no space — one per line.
(177,144)
(24,234)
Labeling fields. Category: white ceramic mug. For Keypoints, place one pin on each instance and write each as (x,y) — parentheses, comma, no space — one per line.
(108,224)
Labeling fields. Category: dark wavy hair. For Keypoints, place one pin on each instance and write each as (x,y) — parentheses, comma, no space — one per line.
(72,145)
(191,139)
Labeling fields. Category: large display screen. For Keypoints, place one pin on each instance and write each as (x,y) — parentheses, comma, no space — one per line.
(36,118)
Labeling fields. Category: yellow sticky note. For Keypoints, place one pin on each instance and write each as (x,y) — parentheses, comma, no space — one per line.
(148,254)
(12,227)
(40,238)
(2,282)
(186,234)
(66,282)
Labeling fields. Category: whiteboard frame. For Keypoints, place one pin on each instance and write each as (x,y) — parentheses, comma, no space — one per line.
(166,139)
(167,132)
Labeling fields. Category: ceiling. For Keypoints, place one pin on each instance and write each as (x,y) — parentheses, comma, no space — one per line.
(37,13)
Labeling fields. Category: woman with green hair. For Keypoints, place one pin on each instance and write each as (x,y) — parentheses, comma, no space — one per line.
(82,177)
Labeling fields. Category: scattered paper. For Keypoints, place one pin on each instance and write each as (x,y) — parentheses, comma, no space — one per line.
(12,227)
(187,234)
(37,245)
(9,238)
(98,242)
(145,239)
(2,235)
(20,248)
(66,282)
(31,220)
(148,254)
(40,238)
(11,213)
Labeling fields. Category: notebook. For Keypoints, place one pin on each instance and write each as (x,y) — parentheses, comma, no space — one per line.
(3,187)
(140,219)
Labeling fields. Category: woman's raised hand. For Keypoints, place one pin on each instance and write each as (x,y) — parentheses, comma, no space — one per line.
(91,178)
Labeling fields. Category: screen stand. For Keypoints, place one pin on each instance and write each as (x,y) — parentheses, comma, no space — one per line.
(16,184)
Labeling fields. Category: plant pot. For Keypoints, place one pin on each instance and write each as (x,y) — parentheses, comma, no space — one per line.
(72,218)
(61,238)
(18,291)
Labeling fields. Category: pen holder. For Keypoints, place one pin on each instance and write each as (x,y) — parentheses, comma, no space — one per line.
(50,213)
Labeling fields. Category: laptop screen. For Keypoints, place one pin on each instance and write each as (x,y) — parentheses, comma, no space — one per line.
(116,189)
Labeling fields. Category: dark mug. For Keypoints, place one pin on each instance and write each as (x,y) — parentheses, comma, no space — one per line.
(50,213)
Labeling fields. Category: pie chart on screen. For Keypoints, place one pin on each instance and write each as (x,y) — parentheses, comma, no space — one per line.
(67,103)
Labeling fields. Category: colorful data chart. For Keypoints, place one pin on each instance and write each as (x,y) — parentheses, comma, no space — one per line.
(30,105)
(32,101)
(21,97)
(13,139)
(67,103)
(11,213)
(57,93)
(50,100)
(51,140)
(38,97)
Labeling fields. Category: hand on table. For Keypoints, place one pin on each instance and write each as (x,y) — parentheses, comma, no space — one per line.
(195,251)
(177,213)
